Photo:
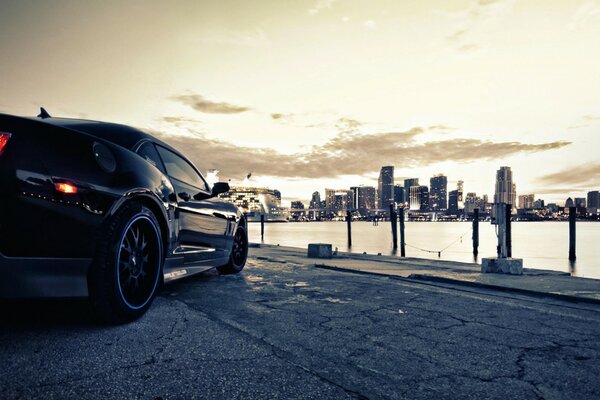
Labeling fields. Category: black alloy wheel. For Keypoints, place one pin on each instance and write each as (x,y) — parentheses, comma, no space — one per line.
(138,262)
(239,253)
(126,271)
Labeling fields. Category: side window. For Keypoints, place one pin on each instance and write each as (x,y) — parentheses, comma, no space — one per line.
(149,153)
(180,169)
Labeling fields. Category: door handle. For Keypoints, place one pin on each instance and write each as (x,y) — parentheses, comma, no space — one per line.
(184,196)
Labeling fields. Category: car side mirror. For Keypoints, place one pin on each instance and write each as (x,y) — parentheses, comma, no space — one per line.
(220,187)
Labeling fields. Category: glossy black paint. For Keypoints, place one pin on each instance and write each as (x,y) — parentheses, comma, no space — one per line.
(46,227)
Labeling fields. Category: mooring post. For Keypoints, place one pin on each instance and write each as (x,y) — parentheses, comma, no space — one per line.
(393,221)
(262,226)
(572,217)
(402,243)
(476,232)
(508,232)
(349,223)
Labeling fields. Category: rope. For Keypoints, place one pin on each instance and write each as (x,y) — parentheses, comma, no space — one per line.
(439,252)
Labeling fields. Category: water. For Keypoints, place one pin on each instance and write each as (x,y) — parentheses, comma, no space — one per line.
(541,245)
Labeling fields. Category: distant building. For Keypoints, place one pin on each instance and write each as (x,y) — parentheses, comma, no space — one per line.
(364,199)
(580,202)
(386,187)
(460,190)
(399,197)
(316,211)
(338,201)
(569,203)
(297,210)
(472,201)
(419,198)
(408,183)
(593,202)
(453,201)
(526,201)
(438,198)
(538,204)
(506,190)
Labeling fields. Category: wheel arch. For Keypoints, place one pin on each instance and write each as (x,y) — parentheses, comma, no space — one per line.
(150,201)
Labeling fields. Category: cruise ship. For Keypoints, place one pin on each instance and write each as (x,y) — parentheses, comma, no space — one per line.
(255,201)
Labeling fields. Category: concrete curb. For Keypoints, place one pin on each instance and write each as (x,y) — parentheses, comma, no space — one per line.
(429,278)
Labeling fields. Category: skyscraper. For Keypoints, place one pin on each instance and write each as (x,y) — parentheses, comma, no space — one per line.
(399,194)
(438,200)
(408,183)
(364,199)
(526,201)
(419,198)
(593,202)
(453,201)
(506,190)
(315,205)
(386,187)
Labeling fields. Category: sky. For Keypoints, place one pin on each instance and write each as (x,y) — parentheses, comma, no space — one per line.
(314,94)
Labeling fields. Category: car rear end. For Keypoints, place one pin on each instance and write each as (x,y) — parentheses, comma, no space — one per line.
(55,192)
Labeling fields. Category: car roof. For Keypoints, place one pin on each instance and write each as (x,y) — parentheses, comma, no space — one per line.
(122,135)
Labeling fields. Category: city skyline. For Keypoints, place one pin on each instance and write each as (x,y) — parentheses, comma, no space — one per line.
(321,93)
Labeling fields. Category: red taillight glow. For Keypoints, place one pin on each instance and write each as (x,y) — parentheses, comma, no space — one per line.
(4,136)
(65,187)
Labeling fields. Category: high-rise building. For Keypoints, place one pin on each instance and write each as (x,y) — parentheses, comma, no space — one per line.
(506,190)
(419,198)
(472,201)
(526,201)
(386,187)
(453,201)
(438,200)
(399,196)
(408,183)
(315,206)
(580,202)
(569,203)
(460,190)
(364,199)
(297,210)
(424,197)
(338,201)
(414,198)
(593,202)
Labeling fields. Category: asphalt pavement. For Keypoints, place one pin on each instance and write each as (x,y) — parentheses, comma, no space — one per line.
(284,330)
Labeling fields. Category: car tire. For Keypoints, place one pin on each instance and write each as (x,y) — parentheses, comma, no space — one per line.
(126,271)
(239,253)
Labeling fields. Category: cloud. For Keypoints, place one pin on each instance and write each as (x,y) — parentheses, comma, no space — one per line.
(582,177)
(475,20)
(348,153)
(320,5)
(586,121)
(585,14)
(201,104)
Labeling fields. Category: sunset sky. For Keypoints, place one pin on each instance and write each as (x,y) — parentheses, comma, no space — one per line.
(322,93)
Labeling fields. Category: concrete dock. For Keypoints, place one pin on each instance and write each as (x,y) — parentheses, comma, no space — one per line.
(289,327)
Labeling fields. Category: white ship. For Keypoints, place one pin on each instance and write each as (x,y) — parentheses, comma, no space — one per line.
(255,201)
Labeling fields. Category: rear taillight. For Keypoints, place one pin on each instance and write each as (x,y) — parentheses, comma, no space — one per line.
(4,137)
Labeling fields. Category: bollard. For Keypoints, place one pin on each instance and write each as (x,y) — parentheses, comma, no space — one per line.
(402,243)
(508,232)
(394,227)
(476,233)
(262,226)
(572,217)
(349,222)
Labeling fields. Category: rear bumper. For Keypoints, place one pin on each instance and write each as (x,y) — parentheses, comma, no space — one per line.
(43,277)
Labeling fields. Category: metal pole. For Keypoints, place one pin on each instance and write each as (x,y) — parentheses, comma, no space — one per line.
(349,222)
(476,232)
(402,243)
(572,217)
(394,226)
(262,226)
(508,232)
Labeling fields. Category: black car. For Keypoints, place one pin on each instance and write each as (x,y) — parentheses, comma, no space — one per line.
(107,211)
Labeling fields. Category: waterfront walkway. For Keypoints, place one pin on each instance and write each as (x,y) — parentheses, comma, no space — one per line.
(533,281)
